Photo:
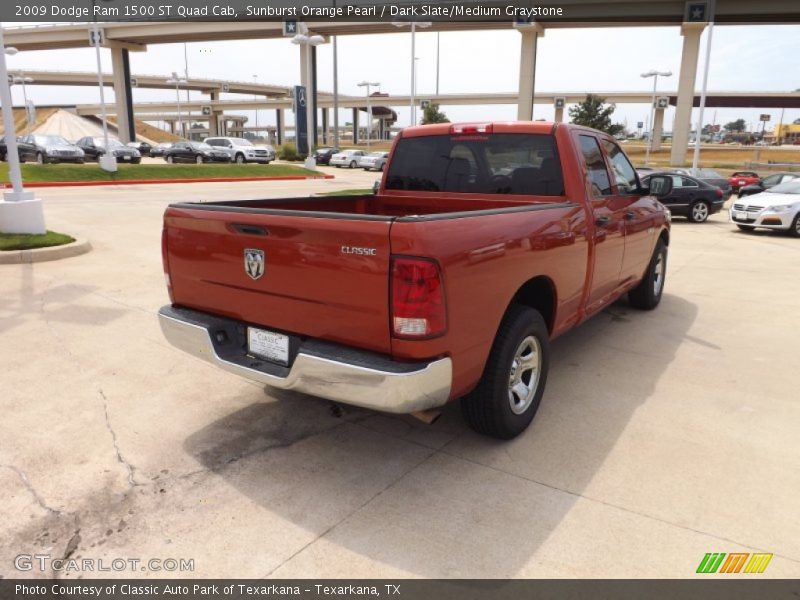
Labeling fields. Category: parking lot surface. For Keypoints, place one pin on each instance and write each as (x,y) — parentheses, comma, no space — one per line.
(662,435)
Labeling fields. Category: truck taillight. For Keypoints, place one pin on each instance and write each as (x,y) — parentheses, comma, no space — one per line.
(418,308)
(165,262)
(467,128)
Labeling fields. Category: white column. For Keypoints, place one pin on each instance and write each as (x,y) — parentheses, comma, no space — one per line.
(559,118)
(527,70)
(691,33)
(121,90)
(658,129)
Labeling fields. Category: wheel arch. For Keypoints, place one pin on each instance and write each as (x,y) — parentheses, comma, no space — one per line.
(538,293)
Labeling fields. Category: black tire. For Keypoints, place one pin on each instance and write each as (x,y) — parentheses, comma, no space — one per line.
(745,227)
(794,230)
(136,161)
(198,159)
(488,408)
(647,294)
(383,166)
(699,211)
(240,160)
(170,159)
(353,164)
(80,161)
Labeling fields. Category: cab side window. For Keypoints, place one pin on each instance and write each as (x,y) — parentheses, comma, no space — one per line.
(624,173)
(595,166)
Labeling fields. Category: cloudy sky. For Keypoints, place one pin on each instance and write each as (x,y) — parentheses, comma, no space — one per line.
(743,58)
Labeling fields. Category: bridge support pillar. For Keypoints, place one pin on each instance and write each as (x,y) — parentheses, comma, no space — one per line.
(527,69)
(658,129)
(280,126)
(559,118)
(355,126)
(121,70)
(325,120)
(691,33)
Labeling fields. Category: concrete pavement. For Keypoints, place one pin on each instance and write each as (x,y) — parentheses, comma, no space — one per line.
(661,436)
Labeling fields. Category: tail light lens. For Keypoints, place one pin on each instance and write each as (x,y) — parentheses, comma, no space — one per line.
(467,128)
(165,262)
(418,309)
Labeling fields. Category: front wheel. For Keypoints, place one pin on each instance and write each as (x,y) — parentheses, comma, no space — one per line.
(508,395)
(352,164)
(795,228)
(240,159)
(699,212)
(647,294)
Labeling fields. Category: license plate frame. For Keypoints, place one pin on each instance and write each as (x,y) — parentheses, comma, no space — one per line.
(741,215)
(268,345)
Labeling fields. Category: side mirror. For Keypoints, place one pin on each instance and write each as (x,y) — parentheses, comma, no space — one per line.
(660,185)
(376,186)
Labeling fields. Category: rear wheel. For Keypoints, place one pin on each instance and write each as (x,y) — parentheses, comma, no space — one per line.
(699,211)
(508,395)
(383,166)
(745,227)
(240,159)
(647,294)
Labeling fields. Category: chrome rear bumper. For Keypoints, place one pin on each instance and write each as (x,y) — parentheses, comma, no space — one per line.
(321,369)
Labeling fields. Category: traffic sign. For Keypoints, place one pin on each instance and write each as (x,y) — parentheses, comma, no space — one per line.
(206,110)
(290,28)
(424,104)
(559,102)
(662,102)
(764,118)
(97,37)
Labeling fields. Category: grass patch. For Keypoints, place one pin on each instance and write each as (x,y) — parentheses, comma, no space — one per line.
(356,192)
(26,241)
(92,172)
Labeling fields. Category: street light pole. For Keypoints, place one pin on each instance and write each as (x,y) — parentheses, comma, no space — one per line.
(411,104)
(306,41)
(654,74)
(21,79)
(367,84)
(20,211)
(177,81)
(255,97)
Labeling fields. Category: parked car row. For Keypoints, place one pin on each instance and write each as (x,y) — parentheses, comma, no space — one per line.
(352,159)
(54,148)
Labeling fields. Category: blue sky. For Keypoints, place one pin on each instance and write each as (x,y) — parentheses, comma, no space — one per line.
(744,58)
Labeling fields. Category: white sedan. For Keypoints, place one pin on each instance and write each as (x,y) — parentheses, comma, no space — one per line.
(775,208)
(375,160)
(347,158)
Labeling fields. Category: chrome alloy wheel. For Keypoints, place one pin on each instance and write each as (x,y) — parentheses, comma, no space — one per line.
(523,379)
(658,274)
(700,212)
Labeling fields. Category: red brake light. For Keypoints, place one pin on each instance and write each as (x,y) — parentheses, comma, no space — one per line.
(418,309)
(469,128)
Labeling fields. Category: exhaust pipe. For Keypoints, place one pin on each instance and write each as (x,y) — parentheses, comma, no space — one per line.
(429,417)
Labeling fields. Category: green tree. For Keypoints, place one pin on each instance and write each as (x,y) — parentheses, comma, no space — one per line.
(594,113)
(432,114)
(736,126)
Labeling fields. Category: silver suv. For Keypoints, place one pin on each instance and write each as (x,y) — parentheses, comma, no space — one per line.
(241,150)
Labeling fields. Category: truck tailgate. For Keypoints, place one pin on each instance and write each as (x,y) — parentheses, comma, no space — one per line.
(310,282)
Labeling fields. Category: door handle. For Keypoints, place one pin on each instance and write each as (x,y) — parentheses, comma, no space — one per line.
(630,215)
(603,221)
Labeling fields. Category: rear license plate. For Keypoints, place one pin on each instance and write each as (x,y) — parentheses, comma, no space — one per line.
(268,344)
(126,158)
(742,216)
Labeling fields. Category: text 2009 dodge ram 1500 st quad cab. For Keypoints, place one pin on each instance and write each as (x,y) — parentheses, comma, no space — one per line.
(482,243)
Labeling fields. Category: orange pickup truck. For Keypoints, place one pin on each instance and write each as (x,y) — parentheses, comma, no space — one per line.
(483,242)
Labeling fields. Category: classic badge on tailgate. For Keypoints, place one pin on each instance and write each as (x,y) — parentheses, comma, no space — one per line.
(254,262)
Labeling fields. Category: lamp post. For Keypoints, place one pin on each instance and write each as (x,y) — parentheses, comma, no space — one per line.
(307,41)
(20,211)
(412,107)
(21,79)
(255,97)
(107,162)
(654,74)
(177,81)
(368,84)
